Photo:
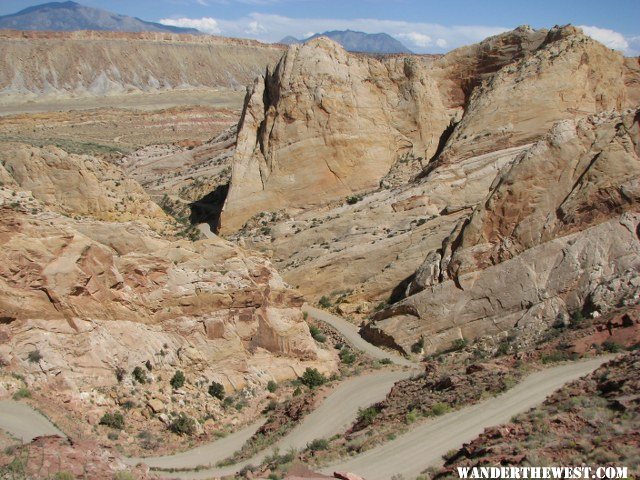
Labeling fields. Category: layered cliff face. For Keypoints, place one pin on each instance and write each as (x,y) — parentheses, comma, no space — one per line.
(568,76)
(96,290)
(34,64)
(326,124)
(365,250)
(556,234)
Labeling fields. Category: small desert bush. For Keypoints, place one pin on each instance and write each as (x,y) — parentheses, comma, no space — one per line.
(113,420)
(312,378)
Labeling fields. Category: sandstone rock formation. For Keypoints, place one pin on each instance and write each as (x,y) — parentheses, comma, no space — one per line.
(78,185)
(568,76)
(557,233)
(326,124)
(93,295)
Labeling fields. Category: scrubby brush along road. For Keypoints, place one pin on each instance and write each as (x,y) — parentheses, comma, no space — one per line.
(423,447)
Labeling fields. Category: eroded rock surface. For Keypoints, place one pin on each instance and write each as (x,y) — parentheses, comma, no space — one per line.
(557,233)
(326,124)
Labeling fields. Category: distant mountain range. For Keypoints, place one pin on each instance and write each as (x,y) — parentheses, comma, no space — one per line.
(357,41)
(68,16)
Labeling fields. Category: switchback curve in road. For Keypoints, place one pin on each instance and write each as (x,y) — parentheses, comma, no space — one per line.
(351,333)
(423,446)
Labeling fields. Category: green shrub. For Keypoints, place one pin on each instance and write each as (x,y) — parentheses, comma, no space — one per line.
(113,436)
(459,344)
(503,348)
(139,375)
(63,476)
(577,317)
(317,335)
(324,302)
(385,361)
(271,406)
(439,409)
(347,356)
(272,386)
(558,356)
(611,346)
(22,392)
(418,346)
(113,420)
(177,380)
(216,390)
(318,444)
(297,392)
(353,199)
(367,415)
(120,373)
(34,356)
(312,378)
(411,417)
(183,425)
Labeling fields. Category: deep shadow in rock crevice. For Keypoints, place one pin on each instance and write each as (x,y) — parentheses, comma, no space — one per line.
(208,208)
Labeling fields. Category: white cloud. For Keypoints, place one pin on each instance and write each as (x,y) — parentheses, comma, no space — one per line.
(610,38)
(634,46)
(415,38)
(204,24)
(419,37)
(202,2)
(272,28)
(255,28)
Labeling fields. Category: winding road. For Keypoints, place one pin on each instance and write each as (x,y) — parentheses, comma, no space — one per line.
(409,454)
(351,333)
(423,446)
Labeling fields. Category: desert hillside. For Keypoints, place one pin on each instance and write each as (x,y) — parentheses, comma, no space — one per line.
(198,283)
(400,177)
(88,63)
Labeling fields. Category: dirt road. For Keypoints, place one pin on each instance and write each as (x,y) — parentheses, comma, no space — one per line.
(350,332)
(23,422)
(424,446)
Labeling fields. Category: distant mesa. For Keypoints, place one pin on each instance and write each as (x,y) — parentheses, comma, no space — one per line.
(357,41)
(69,16)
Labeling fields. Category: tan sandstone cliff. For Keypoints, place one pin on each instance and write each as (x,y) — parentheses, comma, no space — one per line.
(94,288)
(557,233)
(326,124)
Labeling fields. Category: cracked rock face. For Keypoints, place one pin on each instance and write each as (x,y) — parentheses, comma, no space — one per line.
(325,124)
(94,295)
(558,232)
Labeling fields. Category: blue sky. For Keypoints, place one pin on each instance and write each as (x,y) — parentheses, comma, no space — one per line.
(424,26)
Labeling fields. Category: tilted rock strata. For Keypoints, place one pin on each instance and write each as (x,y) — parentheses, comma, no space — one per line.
(326,124)
(569,76)
(557,232)
(94,295)
(539,286)
(594,165)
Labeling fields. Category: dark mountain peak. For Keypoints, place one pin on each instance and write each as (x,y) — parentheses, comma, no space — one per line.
(70,15)
(355,41)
